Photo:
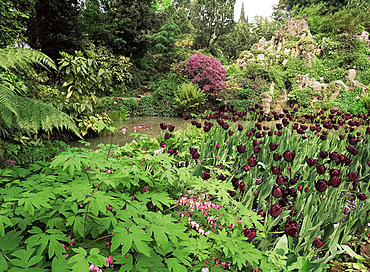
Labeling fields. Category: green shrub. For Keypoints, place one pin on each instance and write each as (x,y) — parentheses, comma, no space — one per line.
(146,106)
(244,93)
(351,102)
(241,105)
(364,77)
(302,97)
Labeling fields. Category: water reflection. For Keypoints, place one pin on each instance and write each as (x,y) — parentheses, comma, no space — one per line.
(148,125)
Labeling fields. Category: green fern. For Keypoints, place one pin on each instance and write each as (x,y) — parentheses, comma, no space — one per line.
(17,111)
(18,58)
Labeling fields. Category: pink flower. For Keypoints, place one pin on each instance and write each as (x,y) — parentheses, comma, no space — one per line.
(205,269)
(109,260)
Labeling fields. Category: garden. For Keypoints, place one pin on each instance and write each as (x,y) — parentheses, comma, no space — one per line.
(260,160)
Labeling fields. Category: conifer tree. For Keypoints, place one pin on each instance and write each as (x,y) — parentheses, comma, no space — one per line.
(242,14)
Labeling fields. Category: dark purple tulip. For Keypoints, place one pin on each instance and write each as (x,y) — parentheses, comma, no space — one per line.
(275,170)
(162,145)
(222,177)
(280,180)
(352,141)
(289,156)
(249,233)
(273,146)
(361,197)
(279,133)
(335,181)
(341,137)
(353,176)
(231,193)
(194,122)
(195,156)
(193,150)
(256,149)
(231,132)
(163,126)
(323,154)
(198,125)
(206,175)
(283,202)
(186,116)
(323,137)
(335,173)
(167,136)
(333,155)
(293,181)
(311,162)
(235,182)
(276,192)
(206,128)
(225,126)
(321,185)
(171,151)
(291,227)
(318,243)
(355,151)
(171,128)
(292,192)
(275,210)
(246,168)
(240,127)
(241,186)
(241,148)
(276,157)
(321,169)
(252,162)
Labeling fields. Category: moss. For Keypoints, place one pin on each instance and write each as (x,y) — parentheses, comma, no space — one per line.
(290,45)
(258,51)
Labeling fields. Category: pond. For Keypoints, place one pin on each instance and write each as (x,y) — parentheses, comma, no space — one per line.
(148,125)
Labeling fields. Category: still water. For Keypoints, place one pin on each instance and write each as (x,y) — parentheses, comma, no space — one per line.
(148,125)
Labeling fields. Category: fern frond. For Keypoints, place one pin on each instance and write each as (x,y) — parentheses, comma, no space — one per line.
(17,57)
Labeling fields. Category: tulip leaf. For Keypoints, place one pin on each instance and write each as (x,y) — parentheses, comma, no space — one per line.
(282,245)
(349,250)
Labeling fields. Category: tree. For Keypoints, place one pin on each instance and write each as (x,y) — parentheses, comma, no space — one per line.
(333,5)
(94,22)
(211,19)
(14,15)
(54,27)
(131,22)
(180,18)
(238,40)
(242,14)
(164,44)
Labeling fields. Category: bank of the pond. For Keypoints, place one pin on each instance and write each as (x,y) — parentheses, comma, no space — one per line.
(126,132)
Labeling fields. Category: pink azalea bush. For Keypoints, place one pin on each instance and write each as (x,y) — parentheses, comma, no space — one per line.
(207,72)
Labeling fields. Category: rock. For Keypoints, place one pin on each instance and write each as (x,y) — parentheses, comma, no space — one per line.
(364,36)
(339,85)
(295,27)
(267,98)
(351,74)
(261,57)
